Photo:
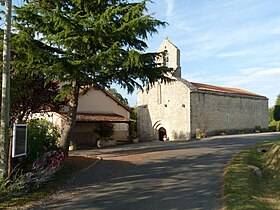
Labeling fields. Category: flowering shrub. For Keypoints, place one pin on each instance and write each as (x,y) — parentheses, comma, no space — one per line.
(42,136)
(49,160)
(43,154)
(199,133)
(42,171)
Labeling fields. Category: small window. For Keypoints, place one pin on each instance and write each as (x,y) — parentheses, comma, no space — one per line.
(166,58)
(227,118)
(159,96)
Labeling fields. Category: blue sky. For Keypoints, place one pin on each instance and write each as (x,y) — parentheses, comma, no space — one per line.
(232,43)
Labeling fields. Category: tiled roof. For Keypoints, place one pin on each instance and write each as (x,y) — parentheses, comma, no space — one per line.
(212,88)
(88,117)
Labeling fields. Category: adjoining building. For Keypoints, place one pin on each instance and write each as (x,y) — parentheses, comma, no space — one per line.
(178,108)
(95,106)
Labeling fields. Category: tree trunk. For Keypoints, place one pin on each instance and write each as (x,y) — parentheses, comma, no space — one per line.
(5,99)
(70,122)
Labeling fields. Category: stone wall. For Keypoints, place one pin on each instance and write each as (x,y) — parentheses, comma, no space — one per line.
(164,106)
(171,58)
(223,112)
(180,108)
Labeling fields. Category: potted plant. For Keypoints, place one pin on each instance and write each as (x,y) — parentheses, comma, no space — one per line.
(197,133)
(258,129)
(105,130)
(135,140)
(73,145)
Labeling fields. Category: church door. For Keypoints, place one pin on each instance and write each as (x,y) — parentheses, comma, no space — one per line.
(161,133)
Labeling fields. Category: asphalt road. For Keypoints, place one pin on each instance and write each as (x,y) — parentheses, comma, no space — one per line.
(155,175)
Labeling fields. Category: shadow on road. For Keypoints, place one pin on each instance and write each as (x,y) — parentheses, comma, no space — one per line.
(172,176)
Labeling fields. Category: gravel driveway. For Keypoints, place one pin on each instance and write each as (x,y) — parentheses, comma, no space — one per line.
(154,175)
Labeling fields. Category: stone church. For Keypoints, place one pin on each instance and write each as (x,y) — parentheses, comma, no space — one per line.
(175,110)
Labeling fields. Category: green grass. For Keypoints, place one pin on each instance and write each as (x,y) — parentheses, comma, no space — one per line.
(243,189)
(71,167)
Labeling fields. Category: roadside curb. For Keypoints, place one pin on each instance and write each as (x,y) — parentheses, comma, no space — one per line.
(98,159)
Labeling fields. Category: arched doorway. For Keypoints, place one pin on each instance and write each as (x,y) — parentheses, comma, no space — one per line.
(161,133)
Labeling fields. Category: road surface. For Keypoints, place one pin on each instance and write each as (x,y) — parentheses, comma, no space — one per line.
(155,175)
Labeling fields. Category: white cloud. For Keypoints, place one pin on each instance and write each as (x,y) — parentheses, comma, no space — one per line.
(210,28)
(250,77)
(251,70)
(262,80)
(170,8)
(234,53)
(227,43)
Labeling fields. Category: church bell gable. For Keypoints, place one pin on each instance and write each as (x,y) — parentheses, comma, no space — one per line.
(171,57)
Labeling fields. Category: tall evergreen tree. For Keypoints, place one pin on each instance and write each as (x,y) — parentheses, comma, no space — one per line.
(276,111)
(95,42)
(277,102)
(31,91)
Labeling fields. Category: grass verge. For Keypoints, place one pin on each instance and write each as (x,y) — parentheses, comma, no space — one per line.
(71,167)
(243,189)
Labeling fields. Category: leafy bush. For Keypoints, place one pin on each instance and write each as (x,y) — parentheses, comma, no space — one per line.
(132,130)
(133,125)
(275,124)
(105,130)
(49,160)
(273,128)
(276,113)
(43,170)
(42,152)
(42,137)
(14,185)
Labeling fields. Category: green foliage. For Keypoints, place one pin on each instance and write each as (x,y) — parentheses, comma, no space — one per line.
(274,125)
(33,93)
(272,128)
(72,166)
(83,43)
(276,113)
(243,189)
(117,95)
(133,125)
(258,127)
(105,130)
(277,102)
(273,158)
(42,137)
(270,114)
(92,42)
(15,184)
(28,84)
